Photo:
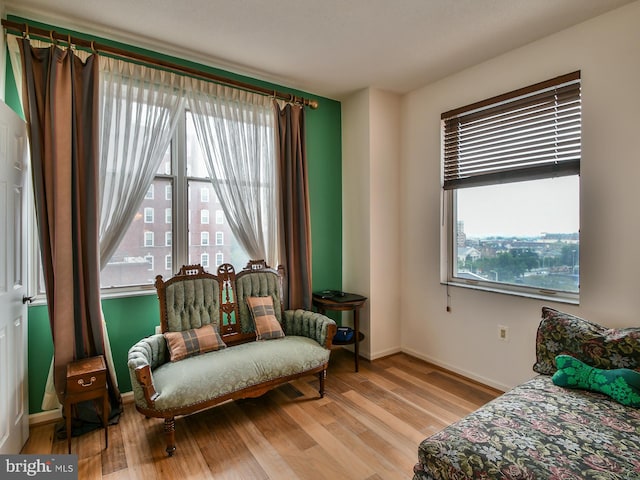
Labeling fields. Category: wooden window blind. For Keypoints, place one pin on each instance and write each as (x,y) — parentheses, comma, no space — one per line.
(530,133)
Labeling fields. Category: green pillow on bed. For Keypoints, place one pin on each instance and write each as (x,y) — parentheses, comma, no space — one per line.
(621,384)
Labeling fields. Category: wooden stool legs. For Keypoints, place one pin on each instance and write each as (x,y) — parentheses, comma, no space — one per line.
(87,380)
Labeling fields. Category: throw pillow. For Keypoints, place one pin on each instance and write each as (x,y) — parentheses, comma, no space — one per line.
(264,317)
(193,342)
(561,333)
(621,384)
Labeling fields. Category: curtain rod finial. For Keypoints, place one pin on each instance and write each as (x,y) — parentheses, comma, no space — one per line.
(313,104)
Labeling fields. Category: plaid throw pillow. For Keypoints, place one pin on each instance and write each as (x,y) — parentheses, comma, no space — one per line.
(264,316)
(193,342)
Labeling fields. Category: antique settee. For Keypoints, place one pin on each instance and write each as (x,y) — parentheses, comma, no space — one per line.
(224,337)
(541,430)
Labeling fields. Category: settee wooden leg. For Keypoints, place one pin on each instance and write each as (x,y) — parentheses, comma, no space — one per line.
(321,377)
(170,435)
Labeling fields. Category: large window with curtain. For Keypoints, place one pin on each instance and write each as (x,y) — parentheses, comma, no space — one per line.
(511,186)
(125,133)
(169,143)
(187,200)
(187,172)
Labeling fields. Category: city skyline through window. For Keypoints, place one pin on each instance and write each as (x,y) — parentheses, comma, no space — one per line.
(532,240)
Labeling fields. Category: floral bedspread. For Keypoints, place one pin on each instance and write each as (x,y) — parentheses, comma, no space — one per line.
(537,431)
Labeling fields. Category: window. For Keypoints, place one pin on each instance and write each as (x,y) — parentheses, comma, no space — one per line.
(148,215)
(128,267)
(148,239)
(149,194)
(198,182)
(150,262)
(204,238)
(219,238)
(182,170)
(511,184)
(204,260)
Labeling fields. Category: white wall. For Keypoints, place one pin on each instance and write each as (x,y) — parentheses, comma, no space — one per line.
(465,340)
(355,204)
(384,185)
(371,220)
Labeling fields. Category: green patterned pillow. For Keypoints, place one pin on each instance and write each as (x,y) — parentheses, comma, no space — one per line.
(621,384)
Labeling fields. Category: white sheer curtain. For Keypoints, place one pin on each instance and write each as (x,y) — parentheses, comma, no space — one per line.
(139,110)
(236,132)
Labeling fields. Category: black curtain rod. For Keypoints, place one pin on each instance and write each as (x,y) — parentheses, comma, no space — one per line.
(53,36)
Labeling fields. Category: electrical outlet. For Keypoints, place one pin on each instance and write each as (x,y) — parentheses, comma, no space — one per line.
(503,333)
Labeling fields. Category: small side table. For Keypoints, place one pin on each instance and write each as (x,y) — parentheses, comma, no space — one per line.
(87,380)
(344,303)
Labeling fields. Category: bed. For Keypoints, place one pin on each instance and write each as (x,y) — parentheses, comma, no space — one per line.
(539,430)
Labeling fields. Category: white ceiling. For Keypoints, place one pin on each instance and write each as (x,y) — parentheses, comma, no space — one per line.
(326,47)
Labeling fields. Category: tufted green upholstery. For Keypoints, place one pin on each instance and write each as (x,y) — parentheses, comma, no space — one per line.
(257,284)
(150,351)
(153,351)
(307,324)
(192,299)
(192,304)
(236,368)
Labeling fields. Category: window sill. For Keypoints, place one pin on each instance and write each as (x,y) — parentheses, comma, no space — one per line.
(123,292)
(560,297)
(119,292)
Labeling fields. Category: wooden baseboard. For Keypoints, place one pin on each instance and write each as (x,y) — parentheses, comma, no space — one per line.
(461,372)
(52,416)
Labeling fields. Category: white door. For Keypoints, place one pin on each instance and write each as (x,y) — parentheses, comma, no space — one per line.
(14,403)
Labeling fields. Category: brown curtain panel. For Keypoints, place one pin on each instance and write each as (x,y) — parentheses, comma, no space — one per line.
(61,108)
(294,197)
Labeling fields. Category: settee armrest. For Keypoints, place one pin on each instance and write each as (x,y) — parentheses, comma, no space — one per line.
(309,324)
(144,356)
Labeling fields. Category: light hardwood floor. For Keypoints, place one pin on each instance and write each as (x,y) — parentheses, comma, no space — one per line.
(368,426)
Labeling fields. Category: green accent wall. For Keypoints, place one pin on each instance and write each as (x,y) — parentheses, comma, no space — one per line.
(11,97)
(40,347)
(324,155)
(128,320)
(131,318)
